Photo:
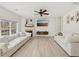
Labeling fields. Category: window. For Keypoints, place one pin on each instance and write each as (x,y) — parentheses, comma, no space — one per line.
(5,28)
(8,27)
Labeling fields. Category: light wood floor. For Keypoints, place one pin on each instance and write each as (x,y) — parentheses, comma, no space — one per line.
(40,47)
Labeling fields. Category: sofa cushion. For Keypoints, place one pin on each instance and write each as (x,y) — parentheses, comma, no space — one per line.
(4,40)
(72,39)
(4,47)
(75,34)
(11,37)
(15,42)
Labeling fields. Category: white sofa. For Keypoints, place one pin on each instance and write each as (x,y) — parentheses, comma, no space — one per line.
(13,43)
(70,43)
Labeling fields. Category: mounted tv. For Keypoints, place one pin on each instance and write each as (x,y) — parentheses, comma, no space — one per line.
(42,22)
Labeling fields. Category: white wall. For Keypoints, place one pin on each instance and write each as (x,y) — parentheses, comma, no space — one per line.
(72,27)
(54,25)
(23,21)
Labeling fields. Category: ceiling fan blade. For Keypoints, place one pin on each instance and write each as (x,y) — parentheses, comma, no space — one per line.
(46,13)
(36,11)
(36,14)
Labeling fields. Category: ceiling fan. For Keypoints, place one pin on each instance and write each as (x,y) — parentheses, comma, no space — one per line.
(42,12)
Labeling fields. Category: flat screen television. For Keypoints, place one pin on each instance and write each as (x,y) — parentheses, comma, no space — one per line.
(42,22)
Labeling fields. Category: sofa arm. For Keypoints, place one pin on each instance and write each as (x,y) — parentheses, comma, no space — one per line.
(74,49)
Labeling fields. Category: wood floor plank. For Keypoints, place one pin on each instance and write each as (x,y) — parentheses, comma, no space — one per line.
(40,47)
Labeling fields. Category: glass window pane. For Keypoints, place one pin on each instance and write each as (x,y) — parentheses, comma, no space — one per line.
(13,28)
(4,27)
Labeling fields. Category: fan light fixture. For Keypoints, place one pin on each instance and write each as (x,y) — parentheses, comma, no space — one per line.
(42,12)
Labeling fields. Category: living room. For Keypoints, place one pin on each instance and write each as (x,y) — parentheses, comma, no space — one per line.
(39,29)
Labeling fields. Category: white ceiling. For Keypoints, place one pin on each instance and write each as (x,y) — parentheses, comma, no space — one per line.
(26,9)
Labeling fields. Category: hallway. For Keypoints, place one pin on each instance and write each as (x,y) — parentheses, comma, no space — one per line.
(40,47)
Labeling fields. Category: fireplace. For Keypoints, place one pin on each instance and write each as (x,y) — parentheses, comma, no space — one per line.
(42,32)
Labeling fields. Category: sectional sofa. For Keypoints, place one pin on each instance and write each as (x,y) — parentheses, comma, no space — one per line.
(10,44)
(69,42)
